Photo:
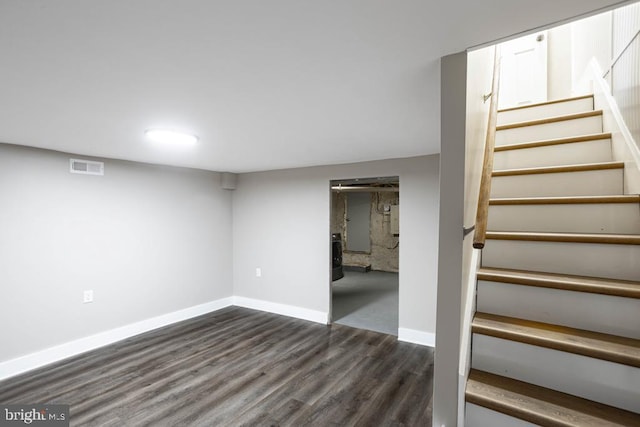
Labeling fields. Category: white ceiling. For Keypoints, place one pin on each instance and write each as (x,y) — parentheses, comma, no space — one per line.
(264,84)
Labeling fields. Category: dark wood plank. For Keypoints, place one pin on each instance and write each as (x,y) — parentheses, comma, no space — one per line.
(535,236)
(555,141)
(544,121)
(239,367)
(538,104)
(566,200)
(621,288)
(541,405)
(587,343)
(586,167)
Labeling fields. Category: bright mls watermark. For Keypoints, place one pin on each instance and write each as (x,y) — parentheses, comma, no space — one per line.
(34,415)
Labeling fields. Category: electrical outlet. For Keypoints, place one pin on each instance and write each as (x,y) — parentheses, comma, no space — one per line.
(258,272)
(87,296)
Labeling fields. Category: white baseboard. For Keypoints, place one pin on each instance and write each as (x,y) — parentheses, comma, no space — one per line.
(283,309)
(417,337)
(50,355)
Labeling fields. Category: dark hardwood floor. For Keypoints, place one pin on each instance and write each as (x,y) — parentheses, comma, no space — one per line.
(239,367)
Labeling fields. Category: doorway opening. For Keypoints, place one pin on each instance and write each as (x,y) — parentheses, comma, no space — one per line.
(365,241)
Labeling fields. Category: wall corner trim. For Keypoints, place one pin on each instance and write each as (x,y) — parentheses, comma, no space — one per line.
(59,352)
(417,337)
(282,309)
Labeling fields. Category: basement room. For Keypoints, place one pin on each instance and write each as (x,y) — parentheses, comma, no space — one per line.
(245,213)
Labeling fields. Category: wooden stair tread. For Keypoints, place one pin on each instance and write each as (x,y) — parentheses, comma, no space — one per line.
(547,120)
(556,141)
(534,236)
(559,169)
(587,343)
(541,405)
(621,288)
(539,104)
(566,200)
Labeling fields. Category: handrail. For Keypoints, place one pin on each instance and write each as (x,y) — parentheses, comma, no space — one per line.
(615,60)
(487,165)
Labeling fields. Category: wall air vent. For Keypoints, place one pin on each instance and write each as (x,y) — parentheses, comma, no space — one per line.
(86,167)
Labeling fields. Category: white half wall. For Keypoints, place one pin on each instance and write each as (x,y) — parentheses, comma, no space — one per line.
(480,64)
(623,145)
(282,226)
(147,240)
(450,256)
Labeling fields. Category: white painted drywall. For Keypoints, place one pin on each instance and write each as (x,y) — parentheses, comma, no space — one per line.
(480,65)
(559,71)
(590,38)
(623,146)
(281,225)
(148,240)
(452,174)
(479,84)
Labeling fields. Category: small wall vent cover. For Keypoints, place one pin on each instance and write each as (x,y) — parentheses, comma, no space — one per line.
(86,167)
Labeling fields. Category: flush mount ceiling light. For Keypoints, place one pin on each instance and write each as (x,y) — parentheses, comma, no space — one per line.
(165,136)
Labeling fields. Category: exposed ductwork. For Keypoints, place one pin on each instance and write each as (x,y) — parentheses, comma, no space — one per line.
(364,188)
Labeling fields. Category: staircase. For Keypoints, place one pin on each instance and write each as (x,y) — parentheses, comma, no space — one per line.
(556,335)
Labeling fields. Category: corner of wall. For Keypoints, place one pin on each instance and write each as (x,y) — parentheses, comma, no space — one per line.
(414,336)
(282,309)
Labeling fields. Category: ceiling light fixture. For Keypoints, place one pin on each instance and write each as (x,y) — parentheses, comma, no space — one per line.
(165,136)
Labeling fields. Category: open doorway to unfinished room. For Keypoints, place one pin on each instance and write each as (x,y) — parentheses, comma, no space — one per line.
(365,241)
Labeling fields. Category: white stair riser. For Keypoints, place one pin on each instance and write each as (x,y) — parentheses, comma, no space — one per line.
(585,183)
(615,218)
(544,111)
(583,259)
(595,312)
(561,129)
(554,155)
(479,416)
(590,378)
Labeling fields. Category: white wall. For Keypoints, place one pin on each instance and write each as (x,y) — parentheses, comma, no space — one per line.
(148,240)
(479,82)
(625,79)
(609,40)
(559,64)
(281,225)
(452,178)
(590,37)
(480,65)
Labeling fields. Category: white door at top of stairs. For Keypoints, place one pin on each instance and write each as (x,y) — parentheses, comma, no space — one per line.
(523,72)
